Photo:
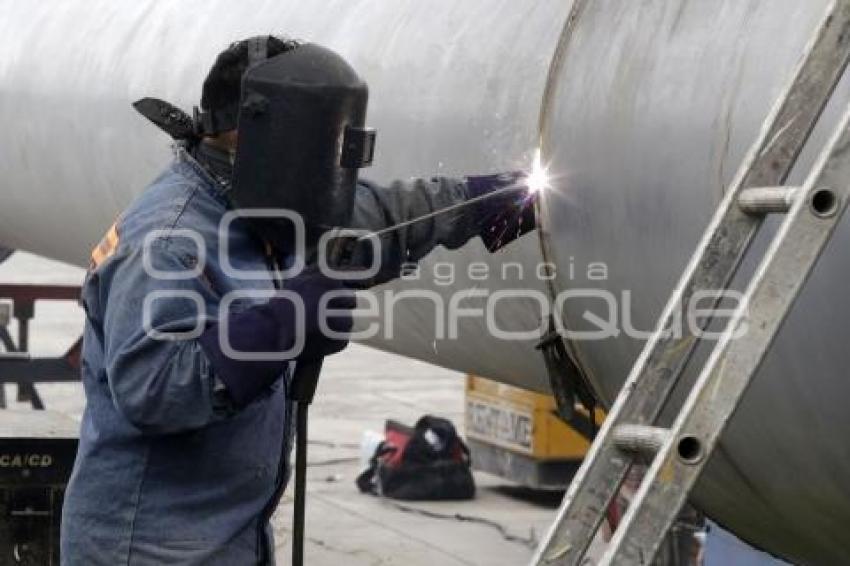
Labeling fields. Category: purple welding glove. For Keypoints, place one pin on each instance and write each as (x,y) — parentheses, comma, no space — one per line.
(272,327)
(503,218)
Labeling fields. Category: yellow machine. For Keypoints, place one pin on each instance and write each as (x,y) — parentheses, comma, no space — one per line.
(518,435)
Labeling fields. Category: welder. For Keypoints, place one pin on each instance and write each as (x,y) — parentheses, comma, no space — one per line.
(186,435)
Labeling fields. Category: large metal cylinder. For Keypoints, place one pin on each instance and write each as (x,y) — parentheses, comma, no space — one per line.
(644,111)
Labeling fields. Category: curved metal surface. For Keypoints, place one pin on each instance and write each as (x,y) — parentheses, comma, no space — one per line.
(457,86)
(649,109)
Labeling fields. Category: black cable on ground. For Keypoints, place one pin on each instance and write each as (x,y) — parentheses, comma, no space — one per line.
(528,542)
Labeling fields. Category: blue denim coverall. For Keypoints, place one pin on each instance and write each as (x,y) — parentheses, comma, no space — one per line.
(164,473)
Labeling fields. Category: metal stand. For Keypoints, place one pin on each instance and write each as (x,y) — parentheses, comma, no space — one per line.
(16,365)
(303,390)
(679,454)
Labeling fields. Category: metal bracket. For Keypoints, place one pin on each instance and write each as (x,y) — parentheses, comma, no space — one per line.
(568,383)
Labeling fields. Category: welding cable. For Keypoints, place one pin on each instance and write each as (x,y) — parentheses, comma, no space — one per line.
(528,542)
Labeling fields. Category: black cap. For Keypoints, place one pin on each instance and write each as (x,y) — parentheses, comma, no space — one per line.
(222,89)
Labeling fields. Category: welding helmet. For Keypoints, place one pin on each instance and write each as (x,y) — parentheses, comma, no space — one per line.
(301,138)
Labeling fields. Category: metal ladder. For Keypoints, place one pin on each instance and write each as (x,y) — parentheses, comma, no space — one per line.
(679,454)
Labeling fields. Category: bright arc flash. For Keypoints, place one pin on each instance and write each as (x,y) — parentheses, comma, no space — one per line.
(538,180)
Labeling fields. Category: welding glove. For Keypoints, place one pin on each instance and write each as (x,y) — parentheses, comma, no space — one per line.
(503,218)
(272,327)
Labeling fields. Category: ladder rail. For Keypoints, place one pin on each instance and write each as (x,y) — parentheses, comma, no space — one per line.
(786,267)
(712,267)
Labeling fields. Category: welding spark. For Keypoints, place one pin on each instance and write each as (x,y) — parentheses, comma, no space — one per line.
(538,179)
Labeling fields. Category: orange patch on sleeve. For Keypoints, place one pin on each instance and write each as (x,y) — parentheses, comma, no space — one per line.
(106,248)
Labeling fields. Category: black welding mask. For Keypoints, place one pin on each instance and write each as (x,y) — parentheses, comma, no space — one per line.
(301,140)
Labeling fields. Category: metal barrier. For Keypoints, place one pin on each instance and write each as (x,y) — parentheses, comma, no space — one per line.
(16,364)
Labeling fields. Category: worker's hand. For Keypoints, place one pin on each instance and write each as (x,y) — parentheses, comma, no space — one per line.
(508,213)
(312,287)
(273,327)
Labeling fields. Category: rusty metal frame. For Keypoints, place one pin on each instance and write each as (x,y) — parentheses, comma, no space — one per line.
(16,364)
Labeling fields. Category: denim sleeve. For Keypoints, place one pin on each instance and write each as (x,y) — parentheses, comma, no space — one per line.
(159,378)
(378,207)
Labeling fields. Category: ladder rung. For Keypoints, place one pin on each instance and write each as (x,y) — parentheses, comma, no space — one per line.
(767,200)
(640,438)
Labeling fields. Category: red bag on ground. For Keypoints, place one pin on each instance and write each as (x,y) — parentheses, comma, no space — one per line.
(429,462)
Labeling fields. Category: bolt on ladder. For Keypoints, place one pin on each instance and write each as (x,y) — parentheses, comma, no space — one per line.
(679,454)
